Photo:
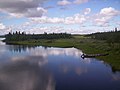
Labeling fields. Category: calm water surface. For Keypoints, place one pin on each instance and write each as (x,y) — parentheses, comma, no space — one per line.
(42,68)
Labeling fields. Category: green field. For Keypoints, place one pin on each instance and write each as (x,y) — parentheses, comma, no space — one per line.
(86,44)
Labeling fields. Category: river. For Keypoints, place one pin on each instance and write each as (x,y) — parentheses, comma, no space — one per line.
(49,68)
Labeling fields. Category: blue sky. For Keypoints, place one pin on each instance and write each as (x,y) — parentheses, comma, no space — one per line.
(71,16)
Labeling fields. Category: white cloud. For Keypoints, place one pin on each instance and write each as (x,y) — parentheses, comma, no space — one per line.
(109,11)
(55,20)
(87,11)
(42,29)
(105,15)
(80,1)
(4,29)
(45,19)
(23,8)
(60,29)
(63,2)
(69,20)
(63,29)
(103,18)
(75,19)
(2,26)
(66,2)
(36,12)
(79,19)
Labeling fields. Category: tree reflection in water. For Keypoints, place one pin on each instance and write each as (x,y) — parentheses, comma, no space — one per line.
(26,75)
(20,48)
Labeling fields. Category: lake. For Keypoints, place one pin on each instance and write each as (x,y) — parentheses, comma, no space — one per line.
(49,68)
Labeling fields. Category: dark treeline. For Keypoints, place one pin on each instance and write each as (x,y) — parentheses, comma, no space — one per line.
(22,36)
(2,36)
(110,37)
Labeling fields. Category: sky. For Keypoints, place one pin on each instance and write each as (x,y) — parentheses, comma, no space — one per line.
(59,16)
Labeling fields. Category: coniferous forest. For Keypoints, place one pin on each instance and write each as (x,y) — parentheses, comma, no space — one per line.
(22,36)
(111,37)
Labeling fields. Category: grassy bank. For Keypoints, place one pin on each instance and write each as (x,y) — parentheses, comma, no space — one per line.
(87,45)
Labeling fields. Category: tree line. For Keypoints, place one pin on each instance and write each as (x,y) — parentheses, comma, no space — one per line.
(22,36)
(110,37)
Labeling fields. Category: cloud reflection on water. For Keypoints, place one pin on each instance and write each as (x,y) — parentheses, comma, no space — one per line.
(45,51)
(34,53)
(42,68)
(26,74)
(40,60)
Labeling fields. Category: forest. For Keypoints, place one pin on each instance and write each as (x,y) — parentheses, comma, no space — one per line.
(111,37)
(22,36)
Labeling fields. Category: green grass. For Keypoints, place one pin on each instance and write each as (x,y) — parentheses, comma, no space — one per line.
(87,45)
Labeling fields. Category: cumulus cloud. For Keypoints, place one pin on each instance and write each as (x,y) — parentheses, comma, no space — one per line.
(66,2)
(87,11)
(62,29)
(63,2)
(55,29)
(75,19)
(106,14)
(20,8)
(109,11)
(80,1)
(45,19)
(4,29)
(42,29)
(2,26)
